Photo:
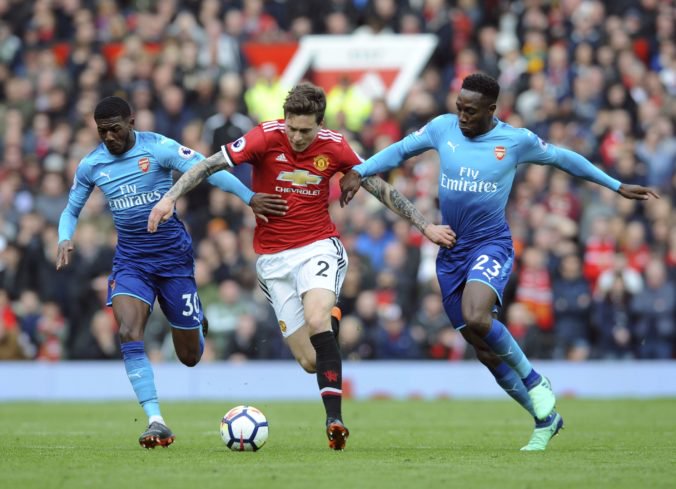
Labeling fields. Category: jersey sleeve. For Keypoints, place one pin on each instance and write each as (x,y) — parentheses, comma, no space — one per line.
(77,198)
(174,156)
(247,149)
(177,157)
(392,156)
(532,149)
(348,158)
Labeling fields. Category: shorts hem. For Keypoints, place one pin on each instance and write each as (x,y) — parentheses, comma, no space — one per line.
(499,296)
(185,328)
(110,302)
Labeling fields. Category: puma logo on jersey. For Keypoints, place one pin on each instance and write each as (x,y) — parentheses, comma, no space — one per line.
(282,157)
(452,146)
(105,174)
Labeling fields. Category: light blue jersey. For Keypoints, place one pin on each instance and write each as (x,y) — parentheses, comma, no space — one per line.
(477,174)
(132,183)
(475,180)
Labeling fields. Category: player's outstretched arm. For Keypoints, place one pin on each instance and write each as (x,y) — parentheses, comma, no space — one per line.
(439,234)
(636,192)
(196,175)
(163,210)
(262,204)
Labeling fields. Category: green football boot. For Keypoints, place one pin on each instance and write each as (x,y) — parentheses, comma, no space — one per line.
(543,432)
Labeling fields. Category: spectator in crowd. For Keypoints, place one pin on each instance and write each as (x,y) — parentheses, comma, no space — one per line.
(10,342)
(245,342)
(613,320)
(353,344)
(534,290)
(394,339)
(226,314)
(572,299)
(655,311)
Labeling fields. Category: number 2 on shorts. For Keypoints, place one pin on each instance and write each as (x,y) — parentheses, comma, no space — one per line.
(323,267)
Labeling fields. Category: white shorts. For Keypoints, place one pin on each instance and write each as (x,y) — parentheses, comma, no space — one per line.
(285,276)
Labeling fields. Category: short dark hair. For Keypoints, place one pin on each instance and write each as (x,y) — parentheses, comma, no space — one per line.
(112,107)
(484,84)
(306,99)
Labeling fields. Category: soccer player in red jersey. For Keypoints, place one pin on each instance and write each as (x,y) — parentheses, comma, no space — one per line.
(302,262)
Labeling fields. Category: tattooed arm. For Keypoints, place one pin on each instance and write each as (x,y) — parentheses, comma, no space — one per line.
(263,205)
(197,174)
(393,200)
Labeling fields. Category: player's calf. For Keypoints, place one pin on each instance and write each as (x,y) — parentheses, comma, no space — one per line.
(336,316)
(188,345)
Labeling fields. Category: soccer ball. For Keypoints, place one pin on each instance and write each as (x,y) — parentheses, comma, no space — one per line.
(244,429)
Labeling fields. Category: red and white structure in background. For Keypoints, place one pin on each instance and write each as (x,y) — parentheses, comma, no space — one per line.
(382,66)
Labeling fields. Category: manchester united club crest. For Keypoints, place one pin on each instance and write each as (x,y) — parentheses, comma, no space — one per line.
(321,162)
(500,152)
(144,164)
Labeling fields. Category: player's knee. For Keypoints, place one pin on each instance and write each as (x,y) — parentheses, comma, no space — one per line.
(130,332)
(188,356)
(189,359)
(318,322)
(478,321)
(307,364)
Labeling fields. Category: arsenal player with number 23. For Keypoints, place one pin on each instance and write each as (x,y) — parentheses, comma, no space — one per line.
(302,263)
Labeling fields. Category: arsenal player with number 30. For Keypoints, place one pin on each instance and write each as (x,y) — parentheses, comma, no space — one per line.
(302,262)
(133,169)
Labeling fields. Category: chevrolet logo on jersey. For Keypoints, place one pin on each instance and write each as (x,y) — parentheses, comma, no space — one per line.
(300,178)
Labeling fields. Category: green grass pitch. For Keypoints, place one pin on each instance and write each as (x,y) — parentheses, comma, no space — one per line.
(394,444)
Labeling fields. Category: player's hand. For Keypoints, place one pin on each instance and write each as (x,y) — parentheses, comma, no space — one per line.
(349,185)
(636,192)
(63,253)
(440,234)
(265,205)
(162,212)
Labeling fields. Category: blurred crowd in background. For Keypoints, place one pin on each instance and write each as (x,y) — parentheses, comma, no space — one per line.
(595,274)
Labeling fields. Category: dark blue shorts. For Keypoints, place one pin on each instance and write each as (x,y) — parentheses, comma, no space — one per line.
(490,263)
(177,295)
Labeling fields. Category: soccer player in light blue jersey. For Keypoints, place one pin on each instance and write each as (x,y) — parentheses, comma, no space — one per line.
(479,155)
(133,170)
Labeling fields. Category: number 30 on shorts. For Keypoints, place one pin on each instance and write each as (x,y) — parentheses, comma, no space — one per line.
(489,267)
(192,304)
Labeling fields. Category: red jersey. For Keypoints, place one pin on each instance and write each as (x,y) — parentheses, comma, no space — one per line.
(301,178)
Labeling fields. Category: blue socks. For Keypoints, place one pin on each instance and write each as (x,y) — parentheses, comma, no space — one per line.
(510,382)
(140,375)
(505,346)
